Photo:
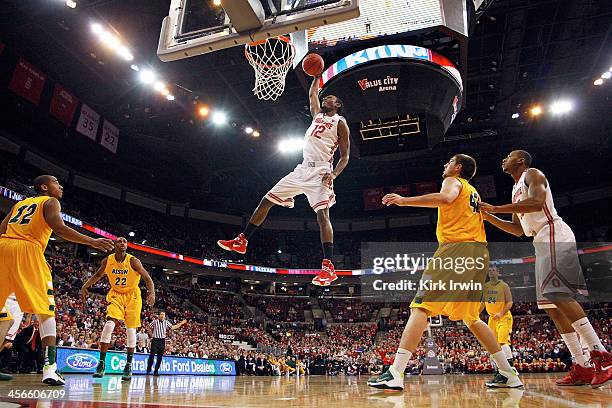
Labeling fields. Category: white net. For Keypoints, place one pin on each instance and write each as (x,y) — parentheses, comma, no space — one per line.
(271,60)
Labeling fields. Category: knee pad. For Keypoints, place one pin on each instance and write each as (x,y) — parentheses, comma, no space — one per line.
(131,338)
(47,326)
(107,332)
(469,323)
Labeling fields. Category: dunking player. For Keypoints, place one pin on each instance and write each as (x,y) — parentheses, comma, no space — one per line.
(124,301)
(314,177)
(497,300)
(25,232)
(557,270)
(461,237)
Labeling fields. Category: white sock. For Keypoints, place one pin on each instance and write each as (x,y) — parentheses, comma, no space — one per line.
(401,360)
(573,345)
(587,334)
(502,364)
(507,351)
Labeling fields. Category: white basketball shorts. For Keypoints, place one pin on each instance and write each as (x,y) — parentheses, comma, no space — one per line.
(306,179)
(557,268)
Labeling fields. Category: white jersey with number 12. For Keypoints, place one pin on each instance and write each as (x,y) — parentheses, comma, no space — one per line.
(321,139)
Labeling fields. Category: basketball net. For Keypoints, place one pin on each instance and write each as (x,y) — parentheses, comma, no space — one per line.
(271,60)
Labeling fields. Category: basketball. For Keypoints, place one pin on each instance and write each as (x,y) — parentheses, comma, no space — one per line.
(313,65)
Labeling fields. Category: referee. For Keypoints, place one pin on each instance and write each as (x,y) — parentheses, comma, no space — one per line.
(158,328)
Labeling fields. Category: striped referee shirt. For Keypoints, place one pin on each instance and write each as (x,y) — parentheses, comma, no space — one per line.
(159,328)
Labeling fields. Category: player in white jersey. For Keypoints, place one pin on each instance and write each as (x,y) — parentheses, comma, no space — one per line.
(557,270)
(314,177)
(10,319)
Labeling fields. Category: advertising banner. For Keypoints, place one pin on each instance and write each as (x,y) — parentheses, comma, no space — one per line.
(74,360)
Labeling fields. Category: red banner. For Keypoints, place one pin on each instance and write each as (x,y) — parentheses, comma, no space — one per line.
(426,187)
(401,190)
(372,198)
(27,81)
(63,105)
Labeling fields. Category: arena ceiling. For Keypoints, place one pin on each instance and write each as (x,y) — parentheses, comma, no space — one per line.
(520,52)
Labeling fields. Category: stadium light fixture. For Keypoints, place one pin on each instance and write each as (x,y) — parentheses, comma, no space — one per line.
(291,145)
(248,130)
(536,110)
(147,76)
(109,40)
(219,118)
(217,2)
(159,86)
(125,53)
(96,28)
(598,82)
(561,107)
(131,233)
(165,92)
(256,133)
(170,97)
(515,116)
(71,3)
(94,253)
(203,111)
(134,67)
(606,75)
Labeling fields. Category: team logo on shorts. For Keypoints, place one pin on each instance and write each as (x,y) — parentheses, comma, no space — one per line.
(226,368)
(81,361)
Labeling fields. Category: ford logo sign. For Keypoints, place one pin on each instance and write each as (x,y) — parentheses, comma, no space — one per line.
(226,367)
(81,361)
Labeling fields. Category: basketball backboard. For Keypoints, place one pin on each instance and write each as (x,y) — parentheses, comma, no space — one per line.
(195,27)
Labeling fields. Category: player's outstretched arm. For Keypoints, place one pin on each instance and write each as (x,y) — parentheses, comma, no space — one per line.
(313,94)
(179,324)
(92,281)
(4,224)
(451,187)
(536,182)
(53,218)
(137,266)
(511,227)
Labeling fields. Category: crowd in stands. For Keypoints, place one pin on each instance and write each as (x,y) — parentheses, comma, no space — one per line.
(280,308)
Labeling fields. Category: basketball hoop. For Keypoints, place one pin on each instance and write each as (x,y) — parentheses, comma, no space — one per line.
(271,60)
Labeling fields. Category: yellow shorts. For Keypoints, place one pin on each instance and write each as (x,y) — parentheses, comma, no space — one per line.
(23,270)
(125,306)
(501,328)
(452,268)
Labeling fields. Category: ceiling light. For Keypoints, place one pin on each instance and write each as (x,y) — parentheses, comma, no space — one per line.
(248,130)
(598,82)
(125,53)
(96,28)
(561,107)
(217,2)
(515,115)
(159,85)
(165,92)
(219,118)
(131,233)
(71,3)
(203,111)
(109,40)
(256,133)
(134,67)
(291,145)
(170,97)
(606,75)
(147,76)
(536,110)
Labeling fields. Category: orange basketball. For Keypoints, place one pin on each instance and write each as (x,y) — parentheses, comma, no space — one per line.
(313,65)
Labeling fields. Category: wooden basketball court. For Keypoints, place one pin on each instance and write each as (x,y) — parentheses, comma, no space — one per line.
(314,391)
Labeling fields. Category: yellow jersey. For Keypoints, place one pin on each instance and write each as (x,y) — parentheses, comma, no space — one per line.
(122,277)
(460,221)
(27,222)
(494,297)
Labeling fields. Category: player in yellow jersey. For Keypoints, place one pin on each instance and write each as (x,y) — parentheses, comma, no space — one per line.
(124,301)
(497,299)
(464,256)
(24,234)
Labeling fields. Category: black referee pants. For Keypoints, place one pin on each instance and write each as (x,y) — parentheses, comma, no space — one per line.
(158,346)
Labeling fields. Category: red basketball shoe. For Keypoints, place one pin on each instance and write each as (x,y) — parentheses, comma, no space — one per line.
(327,275)
(602,360)
(578,375)
(238,244)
